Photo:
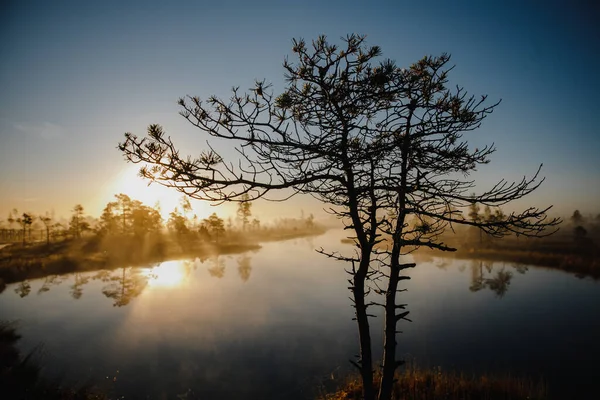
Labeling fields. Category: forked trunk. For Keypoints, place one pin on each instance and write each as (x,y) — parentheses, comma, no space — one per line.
(365,364)
(389,344)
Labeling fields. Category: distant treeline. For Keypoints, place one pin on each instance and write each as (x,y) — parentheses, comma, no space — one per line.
(574,248)
(129,217)
(128,233)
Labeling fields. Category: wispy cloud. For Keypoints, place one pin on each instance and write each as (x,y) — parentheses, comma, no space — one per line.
(46,130)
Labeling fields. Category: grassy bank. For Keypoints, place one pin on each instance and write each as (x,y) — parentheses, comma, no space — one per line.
(581,257)
(434,384)
(579,264)
(563,253)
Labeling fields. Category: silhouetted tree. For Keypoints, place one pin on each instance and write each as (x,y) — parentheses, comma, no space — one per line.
(177,224)
(25,221)
(310,221)
(47,221)
(186,206)
(476,218)
(58,231)
(244,211)
(487,213)
(376,143)
(108,223)
(12,217)
(215,226)
(129,217)
(577,218)
(144,219)
(490,216)
(78,223)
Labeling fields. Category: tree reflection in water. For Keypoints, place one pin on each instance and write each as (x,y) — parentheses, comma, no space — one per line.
(23,289)
(244,267)
(125,286)
(217,268)
(77,287)
(497,283)
(49,281)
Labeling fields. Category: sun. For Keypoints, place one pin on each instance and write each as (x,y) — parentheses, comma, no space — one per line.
(131,184)
(167,274)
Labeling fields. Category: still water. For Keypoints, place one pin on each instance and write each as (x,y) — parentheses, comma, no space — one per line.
(277,323)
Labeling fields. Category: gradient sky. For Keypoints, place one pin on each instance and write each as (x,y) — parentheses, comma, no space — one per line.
(74,76)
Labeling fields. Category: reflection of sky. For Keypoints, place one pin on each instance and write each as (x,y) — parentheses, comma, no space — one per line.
(290,324)
(77,75)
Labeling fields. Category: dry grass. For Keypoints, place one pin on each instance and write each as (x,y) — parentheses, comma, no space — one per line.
(434,384)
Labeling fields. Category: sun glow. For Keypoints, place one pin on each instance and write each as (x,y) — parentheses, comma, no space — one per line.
(129,183)
(168,274)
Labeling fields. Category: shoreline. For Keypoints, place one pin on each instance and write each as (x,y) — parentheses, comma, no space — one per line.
(580,264)
(90,254)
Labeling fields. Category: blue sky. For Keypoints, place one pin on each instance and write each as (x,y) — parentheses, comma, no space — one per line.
(75,76)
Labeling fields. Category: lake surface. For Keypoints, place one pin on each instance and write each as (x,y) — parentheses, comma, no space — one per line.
(277,323)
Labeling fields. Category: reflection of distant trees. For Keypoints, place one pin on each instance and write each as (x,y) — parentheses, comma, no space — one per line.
(49,281)
(125,286)
(103,275)
(497,283)
(476,276)
(520,268)
(77,287)
(217,268)
(500,282)
(188,267)
(244,267)
(442,263)
(122,285)
(23,289)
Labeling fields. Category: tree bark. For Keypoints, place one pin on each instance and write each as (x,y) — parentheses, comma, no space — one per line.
(366,357)
(389,346)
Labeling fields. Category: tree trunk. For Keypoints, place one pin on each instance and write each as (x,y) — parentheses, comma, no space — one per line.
(366,358)
(389,346)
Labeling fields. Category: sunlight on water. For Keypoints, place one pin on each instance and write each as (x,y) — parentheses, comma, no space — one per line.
(168,274)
